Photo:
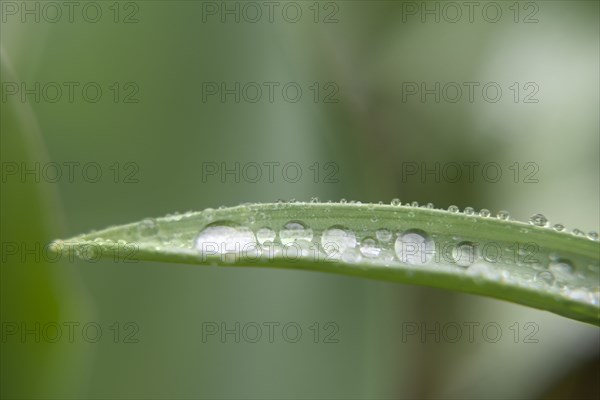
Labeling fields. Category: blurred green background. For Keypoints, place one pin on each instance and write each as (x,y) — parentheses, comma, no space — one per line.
(160,53)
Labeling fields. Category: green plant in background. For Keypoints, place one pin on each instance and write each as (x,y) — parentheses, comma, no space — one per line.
(531,264)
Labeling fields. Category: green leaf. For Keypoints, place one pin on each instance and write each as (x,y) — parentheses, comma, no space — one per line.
(505,259)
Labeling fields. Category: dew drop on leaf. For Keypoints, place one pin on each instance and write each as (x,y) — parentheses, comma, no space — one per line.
(369,248)
(224,237)
(336,240)
(265,235)
(484,213)
(147,227)
(538,220)
(414,247)
(383,235)
(503,215)
(293,231)
(395,202)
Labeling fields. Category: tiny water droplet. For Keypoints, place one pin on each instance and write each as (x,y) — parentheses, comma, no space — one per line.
(538,220)
(343,201)
(336,240)
(383,235)
(484,212)
(414,247)
(293,231)
(469,211)
(265,235)
(593,235)
(414,204)
(578,232)
(369,248)
(147,227)
(453,209)
(430,206)
(558,227)
(395,202)
(374,219)
(314,199)
(545,277)
(502,214)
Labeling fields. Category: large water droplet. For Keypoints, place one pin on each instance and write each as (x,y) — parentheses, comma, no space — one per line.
(336,240)
(147,227)
(295,230)
(265,235)
(414,247)
(225,237)
(383,235)
(561,267)
(464,254)
(538,220)
(369,248)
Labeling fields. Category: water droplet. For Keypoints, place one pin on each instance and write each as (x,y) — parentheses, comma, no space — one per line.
(336,240)
(351,255)
(395,202)
(593,235)
(558,227)
(265,235)
(374,219)
(538,220)
(453,209)
(369,248)
(469,211)
(414,204)
(343,201)
(314,199)
(430,206)
(224,237)
(147,227)
(544,277)
(502,214)
(561,267)
(484,213)
(464,254)
(295,230)
(578,232)
(383,235)
(414,247)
